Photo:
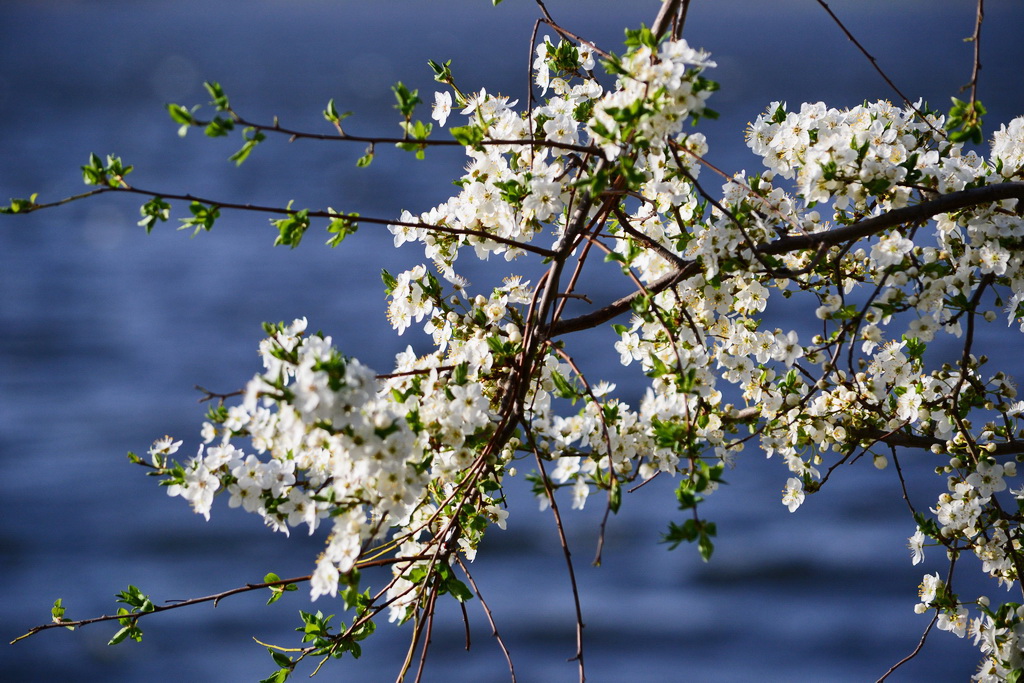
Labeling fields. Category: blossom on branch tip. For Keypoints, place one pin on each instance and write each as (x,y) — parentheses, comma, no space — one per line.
(442,107)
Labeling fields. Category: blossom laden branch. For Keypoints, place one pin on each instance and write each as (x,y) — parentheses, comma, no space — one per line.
(409,467)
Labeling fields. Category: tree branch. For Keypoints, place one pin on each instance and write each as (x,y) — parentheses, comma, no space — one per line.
(869,226)
(215,598)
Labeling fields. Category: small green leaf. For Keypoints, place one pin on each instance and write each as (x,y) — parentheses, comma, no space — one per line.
(458,590)
(252,138)
(219,127)
(332,115)
(389,281)
(279,676)
(470,136)
(219,100)
(119,636)
(367,158)
(20,205)
(291,227)
(156,209)
(563,387)
(615,499)
(341,227)
(407,100)
(203,217)
(442,72)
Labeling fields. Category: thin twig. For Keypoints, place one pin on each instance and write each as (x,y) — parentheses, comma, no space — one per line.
(613,481)
(256,208)
(920,644)
(375,140)
(976,39)
(874,63)
(490,617)
(568,562)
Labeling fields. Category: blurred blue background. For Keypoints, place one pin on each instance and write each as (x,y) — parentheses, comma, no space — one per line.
(104,331)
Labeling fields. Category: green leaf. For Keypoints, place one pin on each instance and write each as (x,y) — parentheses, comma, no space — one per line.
(367,158)
(281,659)
(220,100)
(203,217)
(641,36)
(967,118)
(704,545)
(470,136)
(615,499)
(407,99)
(332,115)
(252,138)
(291,228)
(119,636)
(279,676)
(219,127)
(460,374)
(110,173)
(156,209)
(57,613)
(341,227)
(183,116)
(417,130)
(20,205)
(458,590)
(563,387)
(389,281)
(442,72)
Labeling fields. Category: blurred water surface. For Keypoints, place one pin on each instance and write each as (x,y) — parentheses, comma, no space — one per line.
(104,331)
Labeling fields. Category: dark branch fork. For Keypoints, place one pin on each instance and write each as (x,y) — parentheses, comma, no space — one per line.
(870,226)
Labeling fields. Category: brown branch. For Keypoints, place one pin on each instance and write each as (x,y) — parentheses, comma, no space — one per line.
(490,617)
(920,644)
(215,598)
(976,39)
(667,15)
(210,395)
(256,208)
(905,440)
(374,140)
(909,214)
(602,315)
(567,34)
(874,63)
(568,561)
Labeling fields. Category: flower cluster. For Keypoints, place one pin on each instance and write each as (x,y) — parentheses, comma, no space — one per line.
(324,444)
(422,453)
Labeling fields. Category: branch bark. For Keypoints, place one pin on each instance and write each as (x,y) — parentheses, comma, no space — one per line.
(869,226)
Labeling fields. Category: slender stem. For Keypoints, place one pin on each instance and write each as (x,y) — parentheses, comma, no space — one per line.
(920,644)
(874,63)
(568,562)
(490,617)
(976,39)
(375,140)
